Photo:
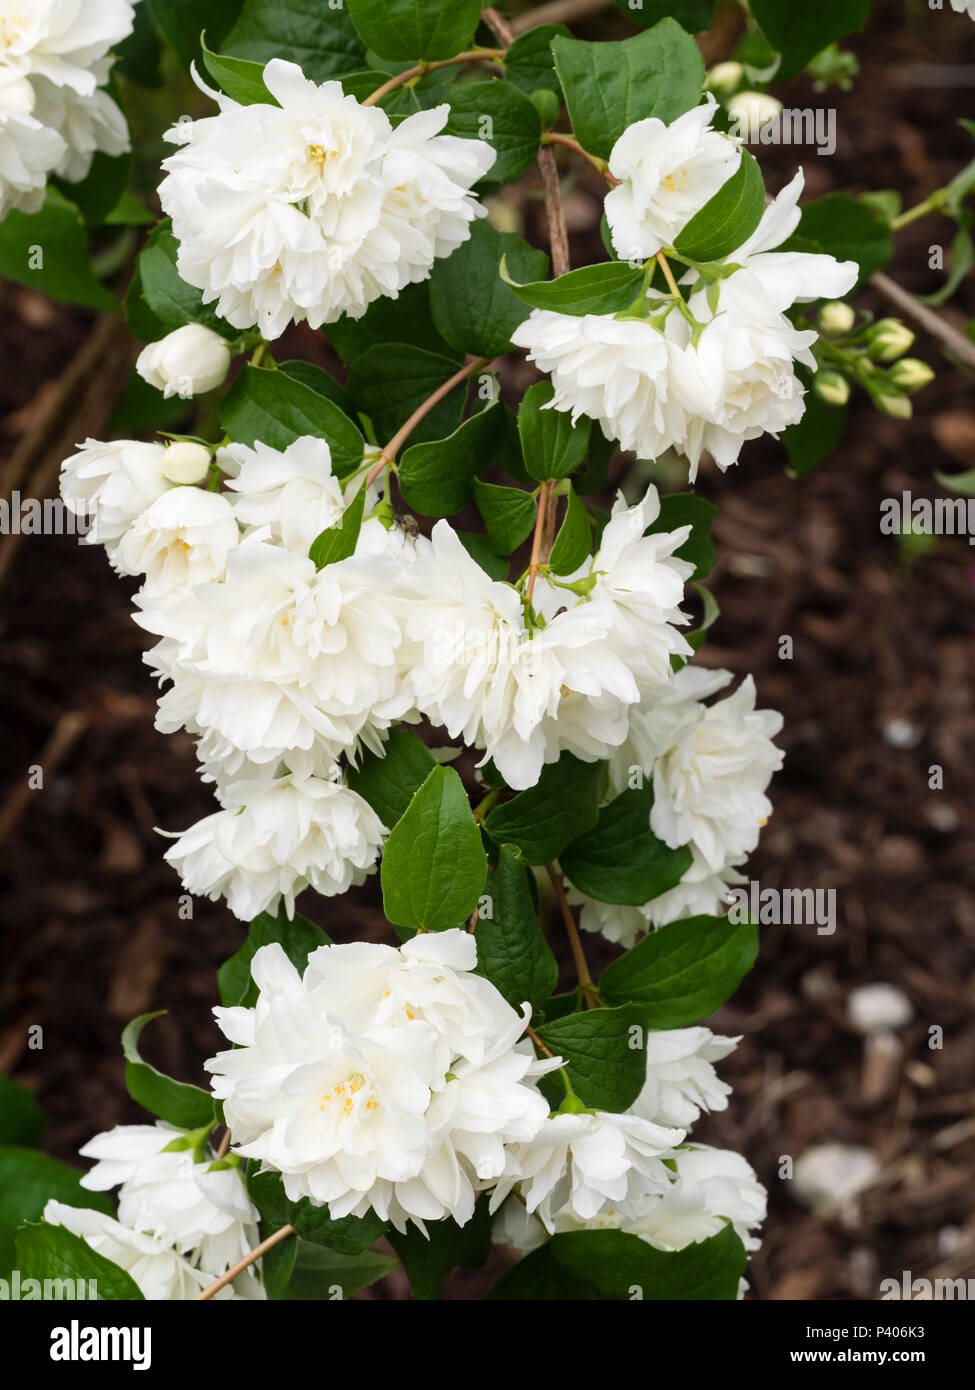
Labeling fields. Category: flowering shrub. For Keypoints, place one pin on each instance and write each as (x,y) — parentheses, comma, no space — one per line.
(334,643)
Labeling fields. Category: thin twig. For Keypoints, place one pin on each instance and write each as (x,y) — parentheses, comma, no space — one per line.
(536,552)
(475,55)
(538,1042)
(558,235)
(575,942)
(248,1260)
(558,12)
(556,137)
(957,344)
(388,455)
(224,1144)
(498,25)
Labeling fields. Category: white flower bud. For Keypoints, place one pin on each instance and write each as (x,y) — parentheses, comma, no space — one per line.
(888,339)
(724,78)
(750,111)
(831,387)
(188,362)
(893,403)
(836,318)
(910,374)
(186,463)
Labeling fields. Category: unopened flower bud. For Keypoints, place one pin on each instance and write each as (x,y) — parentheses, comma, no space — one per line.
(186,463)
(893,403)
(832,388)
(888,339)
(836,318)
(910,374)
(546,103)
(724,78)
(750,111)
(188,362)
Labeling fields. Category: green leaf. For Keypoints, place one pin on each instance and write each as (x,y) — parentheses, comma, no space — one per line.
(318,379)
(389,381)
(47,1252)
(428,1260)
(621,860)
(276,409)
(574,540)
(434,863)
(614,1265)
(816,435)
(323,1274)
(551,444)
(407,318)
(963,483)
(48,252)
(712,612)
(29,1179)
(472,307)
(693,15)
(497,112)
(607,288)
(412,29)
(799,32)
(21,1118)
(508,512)
(683,972)
(316,35)
(181,21)
(138,56)
(389,783)
(528,62)
(169,298)
(101,189)
(511,948)
(278,1263)
(728,219)
(437,478)
(846,229)
(339,542)
(350,1235)
(544,819)
(186,1107)
(689,509)
(609,86)
(481,551)
(605,1053)
(239,78)
(297,936)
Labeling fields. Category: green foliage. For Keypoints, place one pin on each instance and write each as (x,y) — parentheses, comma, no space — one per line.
(511,948)
(273,408)
(541,821)
(552,446)
(51,1252)
(473,308)
(429,1259)
(297,937)
(21,1118)
(186,1107)
(437,478)
(799,32)
(605,1055)
(433,867)
(48,252)
(621,860)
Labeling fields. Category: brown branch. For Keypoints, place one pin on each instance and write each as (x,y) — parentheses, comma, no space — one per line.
(956,343)
(575,942)
(475,55)
(538,1042)
(556,137)
(248,1260)
(558,12)
(558,235)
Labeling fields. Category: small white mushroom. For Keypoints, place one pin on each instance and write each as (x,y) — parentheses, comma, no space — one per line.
(879,1008)
(829,1175)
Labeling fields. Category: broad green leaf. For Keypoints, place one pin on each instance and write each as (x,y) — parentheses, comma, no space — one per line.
(434,863)
(609,86)
(388,783)
(187,1107)
(574,540)
(389,381)
(614,1265)
(693,15)
(528,62)
(472,307)
(315,34)
(728,219)
(481,551)
(552,446)
(102,188)
(296,935)
(689,509)
(621,860)
(321,1274)
(498,113)
(541,821)
(511,948)
(816,435)
(683,972)
(48,252)
(318,379)
(278,1263)
(169,298)
(21,1118)
(509,514)
(800,31)
(350,1235)
(239,78)
(437,478)
(605,1054)
(963,483)
(607,288)
(181,22)
(28,1179)
(46,1252)
(429,1259)
(407,318)
(339,542)
(276,409)
(412,29)
(846,229)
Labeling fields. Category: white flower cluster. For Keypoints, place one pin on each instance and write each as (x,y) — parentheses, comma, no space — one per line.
(715,371)
(314,207)
(55,111)
(184,1217)
(394,1081)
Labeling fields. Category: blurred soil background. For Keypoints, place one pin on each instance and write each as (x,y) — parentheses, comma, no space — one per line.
(880,689)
